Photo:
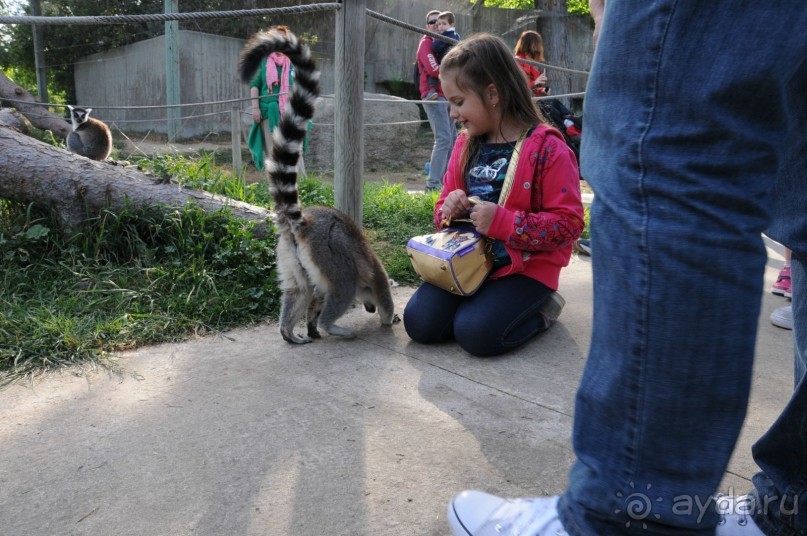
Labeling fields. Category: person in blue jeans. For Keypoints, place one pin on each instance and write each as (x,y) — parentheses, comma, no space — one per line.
(443,127)
(695,144)
(445,27)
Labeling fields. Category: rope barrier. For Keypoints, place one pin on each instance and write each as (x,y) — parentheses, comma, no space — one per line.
(151,107)
(247,99)
(163,119)
(412,27)
(553,67)
(123,19)
(310,8)
(163,17)
(407,26)
(396,123)
(565,95)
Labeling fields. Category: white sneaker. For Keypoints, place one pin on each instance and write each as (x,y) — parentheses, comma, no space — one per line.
(783,317)
(735,516)
(475,513)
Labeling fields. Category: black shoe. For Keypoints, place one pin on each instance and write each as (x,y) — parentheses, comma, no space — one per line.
(552,307)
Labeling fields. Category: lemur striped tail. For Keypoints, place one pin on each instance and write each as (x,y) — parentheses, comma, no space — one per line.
(288,136)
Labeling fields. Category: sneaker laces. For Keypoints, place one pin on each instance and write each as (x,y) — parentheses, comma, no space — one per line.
(783,279)
(742,506)
(526,517)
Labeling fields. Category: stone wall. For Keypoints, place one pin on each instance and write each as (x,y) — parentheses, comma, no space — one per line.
(391,128)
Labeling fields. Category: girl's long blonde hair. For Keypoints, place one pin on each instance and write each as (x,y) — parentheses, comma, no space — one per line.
(484,59)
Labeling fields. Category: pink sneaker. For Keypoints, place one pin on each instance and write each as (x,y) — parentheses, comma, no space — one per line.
(782,285)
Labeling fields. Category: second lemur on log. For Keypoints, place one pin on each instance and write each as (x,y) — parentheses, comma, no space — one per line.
(324,261)
(90,137)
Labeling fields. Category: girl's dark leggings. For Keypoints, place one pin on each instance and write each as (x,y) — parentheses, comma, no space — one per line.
(502,315)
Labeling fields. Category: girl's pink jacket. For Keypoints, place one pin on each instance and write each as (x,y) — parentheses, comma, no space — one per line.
(543,215)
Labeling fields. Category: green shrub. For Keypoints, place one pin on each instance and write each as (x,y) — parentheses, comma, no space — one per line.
(128,278)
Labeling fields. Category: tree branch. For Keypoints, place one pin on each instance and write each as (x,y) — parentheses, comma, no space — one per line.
(37,114)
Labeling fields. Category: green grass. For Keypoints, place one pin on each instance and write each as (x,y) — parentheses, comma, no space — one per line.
(586,218)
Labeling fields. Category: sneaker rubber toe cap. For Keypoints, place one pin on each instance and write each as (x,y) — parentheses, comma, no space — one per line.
(470,510)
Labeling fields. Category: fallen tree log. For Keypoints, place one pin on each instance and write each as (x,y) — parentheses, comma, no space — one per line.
(79,188)
(37,114)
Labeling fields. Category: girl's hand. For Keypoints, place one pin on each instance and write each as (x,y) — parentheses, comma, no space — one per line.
(482,216)
(455,205)
(256,115)
(542,79)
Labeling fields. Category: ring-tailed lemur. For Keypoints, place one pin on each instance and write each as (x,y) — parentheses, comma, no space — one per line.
(324,260)
(90,137)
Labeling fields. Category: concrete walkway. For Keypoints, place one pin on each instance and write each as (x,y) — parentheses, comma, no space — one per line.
(243,434)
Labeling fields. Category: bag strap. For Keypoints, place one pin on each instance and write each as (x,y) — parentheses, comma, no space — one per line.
(509,178)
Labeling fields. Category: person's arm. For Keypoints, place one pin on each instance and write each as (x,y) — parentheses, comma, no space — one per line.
(426,60)
(258,81)
(256,106)
(541,86)
(597,8)
(559,218)
(439,47)
(534,76)
(453,192)
(529,70)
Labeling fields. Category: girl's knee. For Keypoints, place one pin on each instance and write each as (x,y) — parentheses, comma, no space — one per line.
(424,327)
(481,339)
(424,332)
(478,340)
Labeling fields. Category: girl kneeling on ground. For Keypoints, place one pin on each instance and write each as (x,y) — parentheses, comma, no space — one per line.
(532,233)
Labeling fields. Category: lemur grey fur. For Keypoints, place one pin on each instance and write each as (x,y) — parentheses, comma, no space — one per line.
(324,261)
(90,137)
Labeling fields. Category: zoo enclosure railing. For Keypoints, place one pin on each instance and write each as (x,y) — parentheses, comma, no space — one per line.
(350,24)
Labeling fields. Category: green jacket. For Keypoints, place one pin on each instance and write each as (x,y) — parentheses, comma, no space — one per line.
(270,110)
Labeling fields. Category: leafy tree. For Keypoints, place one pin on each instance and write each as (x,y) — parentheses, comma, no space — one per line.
(578,7)
(510,4)
(575,7)
(66,44)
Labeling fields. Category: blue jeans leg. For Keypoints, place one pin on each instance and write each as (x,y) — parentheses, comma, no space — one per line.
(781,498)
(781,454)
(445,134)
(683,148)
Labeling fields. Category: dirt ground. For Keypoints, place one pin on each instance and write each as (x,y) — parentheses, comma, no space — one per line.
(413,176)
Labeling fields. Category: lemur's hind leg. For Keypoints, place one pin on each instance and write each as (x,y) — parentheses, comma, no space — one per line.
(337,302)
(379,299)
(314,310)
(295,301)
